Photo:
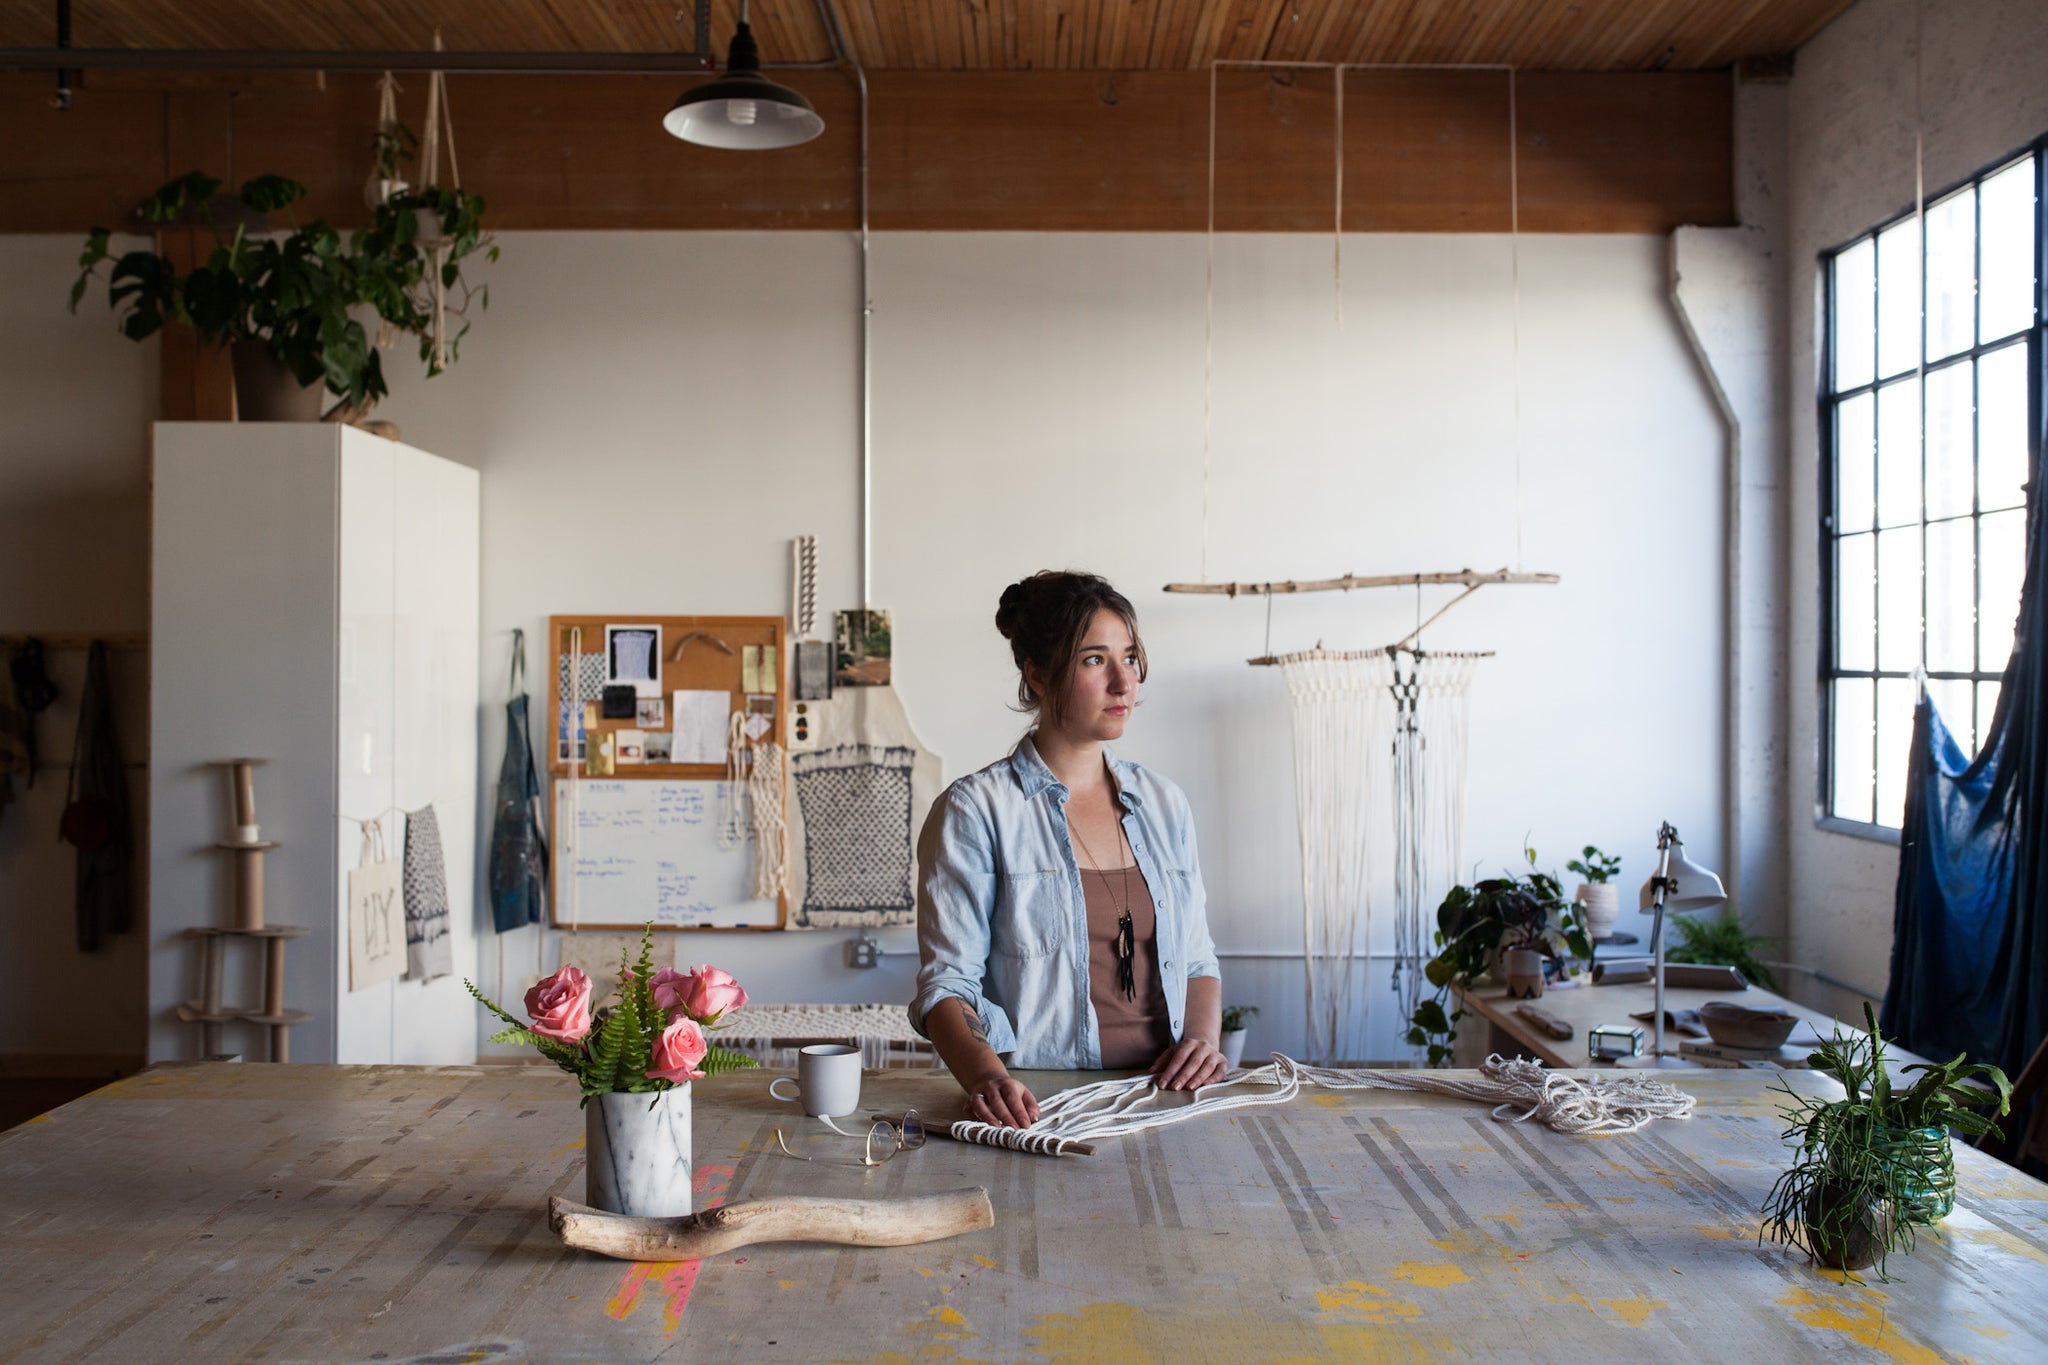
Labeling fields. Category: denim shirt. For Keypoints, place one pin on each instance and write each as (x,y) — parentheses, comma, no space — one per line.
(1002,922)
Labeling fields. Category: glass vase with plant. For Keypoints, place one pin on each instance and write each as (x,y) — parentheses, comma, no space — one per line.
(1873,1167)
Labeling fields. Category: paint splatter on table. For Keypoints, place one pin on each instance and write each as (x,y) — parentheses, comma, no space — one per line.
(353,1213)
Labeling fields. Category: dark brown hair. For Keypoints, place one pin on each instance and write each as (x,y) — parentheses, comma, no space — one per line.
(1045,618)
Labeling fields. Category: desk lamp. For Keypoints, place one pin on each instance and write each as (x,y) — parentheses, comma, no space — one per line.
(1681,886)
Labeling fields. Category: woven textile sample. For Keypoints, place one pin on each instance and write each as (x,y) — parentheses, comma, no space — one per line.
(857,835)
(429,952)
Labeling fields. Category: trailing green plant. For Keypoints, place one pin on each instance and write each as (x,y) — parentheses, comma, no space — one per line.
(1236,1017)
(1721,940)
(1594,866)
(293,291)
(1872,1168)
(651,1038)
(1473,924)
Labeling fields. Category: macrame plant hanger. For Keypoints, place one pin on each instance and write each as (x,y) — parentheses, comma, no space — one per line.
(1361,724)
(439,125)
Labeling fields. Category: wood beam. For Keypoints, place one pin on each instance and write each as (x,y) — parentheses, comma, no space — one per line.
(198,384)
(1424,151)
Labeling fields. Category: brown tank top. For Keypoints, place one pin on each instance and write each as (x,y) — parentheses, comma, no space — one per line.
(1134,1032)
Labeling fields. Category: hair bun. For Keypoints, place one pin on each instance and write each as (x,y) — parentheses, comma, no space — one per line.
(1009,608)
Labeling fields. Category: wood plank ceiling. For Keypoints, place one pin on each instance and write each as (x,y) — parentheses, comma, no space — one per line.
(984,35)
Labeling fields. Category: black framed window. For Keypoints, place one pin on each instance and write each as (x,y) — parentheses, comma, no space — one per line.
(1931,386)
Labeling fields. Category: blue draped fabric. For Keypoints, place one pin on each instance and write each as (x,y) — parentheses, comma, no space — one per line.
(1954,920)
(1969,966)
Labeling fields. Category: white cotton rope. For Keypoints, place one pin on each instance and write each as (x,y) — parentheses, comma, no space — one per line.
(1343,714)
(1431,730)
(732,815)
(1520,1091)
(771,830)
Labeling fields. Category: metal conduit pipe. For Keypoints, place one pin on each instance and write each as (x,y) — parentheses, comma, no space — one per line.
(843,52)
(474,63)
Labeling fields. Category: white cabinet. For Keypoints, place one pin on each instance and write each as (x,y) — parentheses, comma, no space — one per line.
(314,603)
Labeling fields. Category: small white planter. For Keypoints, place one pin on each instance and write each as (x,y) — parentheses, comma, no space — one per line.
(1603,906)
(1233,1046)
(1523,968)
(637,1153)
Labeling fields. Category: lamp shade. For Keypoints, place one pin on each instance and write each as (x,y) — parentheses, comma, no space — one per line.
(743,110)
(1688,886)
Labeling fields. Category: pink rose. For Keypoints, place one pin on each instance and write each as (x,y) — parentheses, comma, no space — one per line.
(560,1006)
(678,1050)
(705,994)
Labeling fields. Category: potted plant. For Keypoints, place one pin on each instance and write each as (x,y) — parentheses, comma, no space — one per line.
(1509,913)
(1876,1165)
(282,302)
(636,1057)
(1722,940)
(1235,1017)
(1597,891)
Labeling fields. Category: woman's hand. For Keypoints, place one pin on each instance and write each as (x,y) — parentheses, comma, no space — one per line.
(1002,1100)
(1189,1063)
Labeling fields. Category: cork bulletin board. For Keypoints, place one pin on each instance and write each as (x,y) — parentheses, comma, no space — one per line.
(640,709)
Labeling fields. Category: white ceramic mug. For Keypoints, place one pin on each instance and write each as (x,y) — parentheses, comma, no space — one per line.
(827,1080)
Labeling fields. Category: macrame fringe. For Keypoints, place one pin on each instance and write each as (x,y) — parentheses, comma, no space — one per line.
(1519,1090)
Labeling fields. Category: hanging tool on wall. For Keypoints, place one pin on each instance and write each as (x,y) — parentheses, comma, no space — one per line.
(813,657)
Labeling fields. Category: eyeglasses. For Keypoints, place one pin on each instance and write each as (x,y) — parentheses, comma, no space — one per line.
(887,1136)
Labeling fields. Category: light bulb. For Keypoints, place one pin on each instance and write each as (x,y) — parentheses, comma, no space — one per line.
(741,112)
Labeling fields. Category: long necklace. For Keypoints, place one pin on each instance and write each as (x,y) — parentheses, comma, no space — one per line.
(1126,934)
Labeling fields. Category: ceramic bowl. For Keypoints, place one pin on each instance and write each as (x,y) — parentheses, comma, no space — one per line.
(1741,1026)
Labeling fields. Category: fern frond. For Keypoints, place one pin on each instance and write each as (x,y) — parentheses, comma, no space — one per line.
(470,986)
(720,1060)
(600,1076)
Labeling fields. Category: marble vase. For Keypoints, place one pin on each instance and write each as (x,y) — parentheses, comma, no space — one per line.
(637,1153)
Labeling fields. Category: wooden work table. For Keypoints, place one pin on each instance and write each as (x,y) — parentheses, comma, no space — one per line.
(254,1212)
(1492,1025)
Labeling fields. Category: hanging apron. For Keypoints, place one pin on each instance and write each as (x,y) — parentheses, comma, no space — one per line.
(96,820)
(519,849)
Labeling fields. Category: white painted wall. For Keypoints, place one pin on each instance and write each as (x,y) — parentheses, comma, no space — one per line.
(1851,165)
(655,415)
(75,402)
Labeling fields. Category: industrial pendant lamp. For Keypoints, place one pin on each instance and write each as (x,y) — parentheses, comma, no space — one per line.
(743,110)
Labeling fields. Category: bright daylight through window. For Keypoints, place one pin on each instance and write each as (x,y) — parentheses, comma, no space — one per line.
(1930,375)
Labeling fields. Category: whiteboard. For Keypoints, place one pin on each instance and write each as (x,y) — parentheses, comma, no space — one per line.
(648,849)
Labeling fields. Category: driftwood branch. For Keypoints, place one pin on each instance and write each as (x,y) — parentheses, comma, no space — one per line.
(1461,577)
(848,1222)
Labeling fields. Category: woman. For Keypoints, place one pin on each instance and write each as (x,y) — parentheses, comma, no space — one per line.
(1060,913)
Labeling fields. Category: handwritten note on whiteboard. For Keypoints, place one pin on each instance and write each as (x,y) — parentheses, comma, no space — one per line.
(640,850)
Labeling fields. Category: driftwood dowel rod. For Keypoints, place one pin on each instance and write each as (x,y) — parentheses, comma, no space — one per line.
(1462,577)
(847,1222)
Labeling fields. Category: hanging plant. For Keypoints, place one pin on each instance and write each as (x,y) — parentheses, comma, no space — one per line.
(293,293)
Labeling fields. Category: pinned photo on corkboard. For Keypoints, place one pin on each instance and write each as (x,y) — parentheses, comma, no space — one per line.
(861,638)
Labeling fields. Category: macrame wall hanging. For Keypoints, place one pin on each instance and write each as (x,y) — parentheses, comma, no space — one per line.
(1379,780)
(863,789)
(1431,726)
(1386,723)
(1342,708)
